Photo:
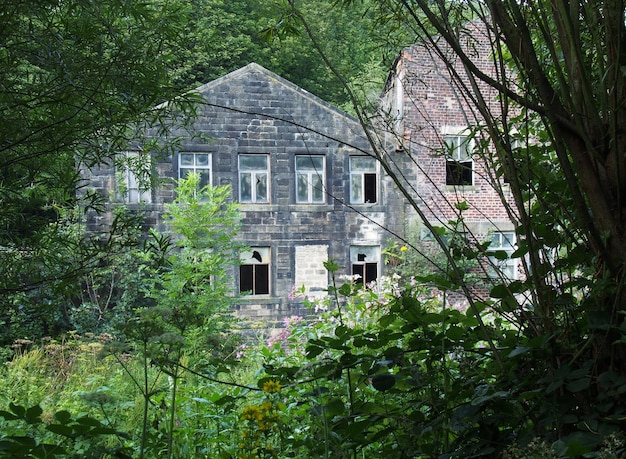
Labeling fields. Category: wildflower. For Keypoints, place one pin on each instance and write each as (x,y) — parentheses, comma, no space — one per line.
(250,413)
(266,406)
(271,386)
(403,248)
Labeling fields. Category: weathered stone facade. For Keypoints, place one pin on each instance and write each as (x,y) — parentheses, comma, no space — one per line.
(296,165)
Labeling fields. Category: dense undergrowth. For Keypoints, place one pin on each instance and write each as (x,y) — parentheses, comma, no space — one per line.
(386,371)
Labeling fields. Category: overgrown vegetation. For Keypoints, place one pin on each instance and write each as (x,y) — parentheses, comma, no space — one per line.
(388,371)
(533,367)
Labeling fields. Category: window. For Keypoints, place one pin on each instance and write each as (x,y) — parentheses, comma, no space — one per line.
(459,164)
(254,271)
(398,102)
(365,262)
(198,163)
(363,180)
(135,178)
(253,178)
(500,249)
(310,179)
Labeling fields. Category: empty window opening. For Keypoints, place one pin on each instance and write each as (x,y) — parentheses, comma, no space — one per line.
(365,261)
(254,271)
(459,164)
(363,180)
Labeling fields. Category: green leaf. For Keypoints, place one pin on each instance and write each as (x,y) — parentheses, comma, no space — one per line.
(486,398)
(498,254)
(335,406)
(345,289)
(463,205)
(383,382)
(63,417)
(432,318)
(33,414)
(499,291)
(61,429)
(348,359)
(455,333)
(518,351)
(17,409)
(579,385)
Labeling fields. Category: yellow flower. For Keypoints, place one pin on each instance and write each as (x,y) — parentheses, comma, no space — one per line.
(271,386)
(403,248)
(250,412)
(266,406)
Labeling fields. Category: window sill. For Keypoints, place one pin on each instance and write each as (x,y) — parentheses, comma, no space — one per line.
(373,207)
(461,188)
(259,299)
(306,207)
(251,207)
(256,206)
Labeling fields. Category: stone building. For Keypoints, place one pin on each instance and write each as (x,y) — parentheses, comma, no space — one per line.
(428,118)
(308,191)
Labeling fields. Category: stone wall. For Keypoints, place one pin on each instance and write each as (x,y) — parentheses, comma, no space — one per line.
(253,111)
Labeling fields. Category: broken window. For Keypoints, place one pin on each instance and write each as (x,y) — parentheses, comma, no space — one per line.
(363,180)
(310,174)
(195,163)
(254,271)
(459,164)
(253,178)
(365,261)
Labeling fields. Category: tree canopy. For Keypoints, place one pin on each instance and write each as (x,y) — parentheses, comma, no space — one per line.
(75,76)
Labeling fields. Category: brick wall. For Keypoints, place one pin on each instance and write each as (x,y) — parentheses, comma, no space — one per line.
(432,107)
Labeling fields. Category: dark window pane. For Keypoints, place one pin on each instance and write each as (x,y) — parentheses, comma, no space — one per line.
(246,280)
(458,173)
(261,280)
(370,188)
(303,188)
(253,162)
(186,159)
(205,178)
(357,270)
(371,272)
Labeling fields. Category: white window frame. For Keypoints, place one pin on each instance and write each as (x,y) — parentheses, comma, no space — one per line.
(197,163)
(398,102)
(312,177)
(258,261)
(360,178)
(459,145)
(363,257)
(502,241)
(134,192)
(255,176)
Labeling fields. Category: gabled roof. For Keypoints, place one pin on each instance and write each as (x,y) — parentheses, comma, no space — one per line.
(262,74)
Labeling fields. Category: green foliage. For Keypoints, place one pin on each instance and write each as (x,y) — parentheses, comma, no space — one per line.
(27,435)
(398,372)
(388,371)
(194,281)
(188,289)
(76,76)
(224,36)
